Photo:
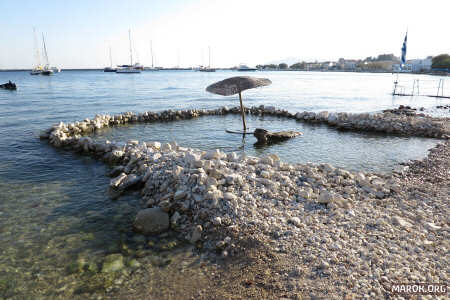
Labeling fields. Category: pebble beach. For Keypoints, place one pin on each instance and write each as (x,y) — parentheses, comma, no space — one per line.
(295,231)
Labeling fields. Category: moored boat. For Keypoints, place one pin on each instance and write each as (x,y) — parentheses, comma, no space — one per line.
(131,68)
(244,68)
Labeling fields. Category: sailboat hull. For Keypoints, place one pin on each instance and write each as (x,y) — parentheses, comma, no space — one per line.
(47,72)
(128,71)
(109,70)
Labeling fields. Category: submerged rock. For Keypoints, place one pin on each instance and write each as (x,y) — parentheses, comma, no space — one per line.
(151,220)
(113,263)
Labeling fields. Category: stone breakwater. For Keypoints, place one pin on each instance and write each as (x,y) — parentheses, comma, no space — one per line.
(416,125)
(352,233)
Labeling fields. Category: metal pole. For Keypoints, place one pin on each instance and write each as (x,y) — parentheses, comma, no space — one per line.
(414,83)
(439,86)
(242,112)
(418,88)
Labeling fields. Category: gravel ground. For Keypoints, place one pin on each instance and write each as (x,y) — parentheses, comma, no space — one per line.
(333,252)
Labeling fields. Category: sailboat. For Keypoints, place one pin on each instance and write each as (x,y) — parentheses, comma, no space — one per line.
(46,70)
(208,68)
(110,68)
(127,69)
(152,68)
(38,68)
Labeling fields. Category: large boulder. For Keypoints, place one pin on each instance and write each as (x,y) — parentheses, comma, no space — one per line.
(264,136)
(151,220)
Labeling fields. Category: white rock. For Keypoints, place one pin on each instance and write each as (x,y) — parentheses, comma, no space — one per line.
(115,182)
(265,174)
(229,196)
(154,145)
(216,221)
(432,226)
(325,197)
(396,220)
(166,147)
(179,194)
(296,221)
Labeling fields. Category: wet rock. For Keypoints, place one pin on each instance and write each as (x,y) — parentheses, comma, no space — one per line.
(266,137)
(113,263)
(151,221)
(196,234)
(115,182)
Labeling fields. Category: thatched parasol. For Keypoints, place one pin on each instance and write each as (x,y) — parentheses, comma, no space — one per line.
(235,85)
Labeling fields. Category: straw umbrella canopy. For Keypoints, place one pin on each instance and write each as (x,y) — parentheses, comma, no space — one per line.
(235,85)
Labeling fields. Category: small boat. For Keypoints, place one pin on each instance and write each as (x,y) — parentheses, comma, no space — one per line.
(9,86)
(129,69)
(245,68)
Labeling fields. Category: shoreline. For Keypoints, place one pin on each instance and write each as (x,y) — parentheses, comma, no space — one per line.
(311,226)
(232,69)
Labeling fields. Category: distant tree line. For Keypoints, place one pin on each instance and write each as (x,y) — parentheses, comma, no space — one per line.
(382,57)
(283,66)
(441,62)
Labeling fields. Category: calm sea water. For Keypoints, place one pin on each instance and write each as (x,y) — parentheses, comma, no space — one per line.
(53,204)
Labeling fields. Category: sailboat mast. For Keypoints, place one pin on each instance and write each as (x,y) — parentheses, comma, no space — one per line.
(209,57)
(110,56)
(131,51)
(151,51)
(37,54)
(45,51)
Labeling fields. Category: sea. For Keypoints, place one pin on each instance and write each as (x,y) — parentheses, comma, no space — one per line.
(54,204)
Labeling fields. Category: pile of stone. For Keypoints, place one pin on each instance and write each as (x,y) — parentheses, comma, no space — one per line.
(194,191)
(65,134)
(405,110)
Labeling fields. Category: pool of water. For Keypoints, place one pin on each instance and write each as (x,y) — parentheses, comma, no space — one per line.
(357,151)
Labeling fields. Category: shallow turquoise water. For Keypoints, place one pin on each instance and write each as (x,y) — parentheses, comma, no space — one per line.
(54,205)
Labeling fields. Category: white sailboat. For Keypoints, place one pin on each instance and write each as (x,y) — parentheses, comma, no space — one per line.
(46,70)
(152,68)
(208,68)
(38,67)
(127,69)
(110,68)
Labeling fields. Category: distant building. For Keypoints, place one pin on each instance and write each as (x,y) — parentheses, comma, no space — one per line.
(346,64)
(420,65)
(414,66)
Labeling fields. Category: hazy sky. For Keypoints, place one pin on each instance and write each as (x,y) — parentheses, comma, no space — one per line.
(78,33)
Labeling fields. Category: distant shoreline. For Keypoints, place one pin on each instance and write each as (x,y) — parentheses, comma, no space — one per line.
(232,69)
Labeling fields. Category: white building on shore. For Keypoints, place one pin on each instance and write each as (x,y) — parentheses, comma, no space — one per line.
(415,65)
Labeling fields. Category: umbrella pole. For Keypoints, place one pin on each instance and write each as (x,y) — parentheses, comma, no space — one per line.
(242,112)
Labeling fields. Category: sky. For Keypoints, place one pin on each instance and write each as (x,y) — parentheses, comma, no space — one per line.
(79,34)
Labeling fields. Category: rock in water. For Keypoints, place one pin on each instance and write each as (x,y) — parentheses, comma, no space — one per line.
(151,220)
(266,137)
(113,263)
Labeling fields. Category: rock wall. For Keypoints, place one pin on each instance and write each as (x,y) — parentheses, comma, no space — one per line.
(67,134)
